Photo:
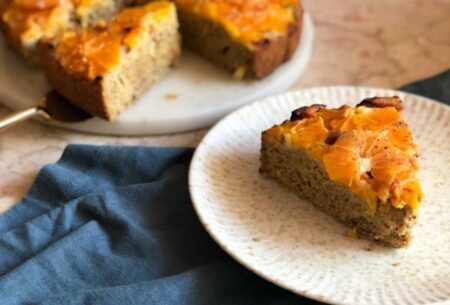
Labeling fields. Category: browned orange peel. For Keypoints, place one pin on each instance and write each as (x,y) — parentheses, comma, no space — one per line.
(368,148)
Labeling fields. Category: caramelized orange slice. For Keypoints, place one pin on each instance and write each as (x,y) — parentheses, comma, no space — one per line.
(94,51)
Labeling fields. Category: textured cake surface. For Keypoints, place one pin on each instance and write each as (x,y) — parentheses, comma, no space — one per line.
(357,164)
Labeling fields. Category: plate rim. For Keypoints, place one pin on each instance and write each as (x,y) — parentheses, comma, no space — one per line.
(201,145)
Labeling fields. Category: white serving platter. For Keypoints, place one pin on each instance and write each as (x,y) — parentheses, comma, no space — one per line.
(194,95)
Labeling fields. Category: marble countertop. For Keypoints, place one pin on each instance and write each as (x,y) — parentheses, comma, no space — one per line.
(382,43)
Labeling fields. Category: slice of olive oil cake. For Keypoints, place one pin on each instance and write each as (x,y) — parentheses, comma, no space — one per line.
(357,165)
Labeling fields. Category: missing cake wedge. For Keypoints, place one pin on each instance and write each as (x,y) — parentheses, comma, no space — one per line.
(357,165)
(102,69)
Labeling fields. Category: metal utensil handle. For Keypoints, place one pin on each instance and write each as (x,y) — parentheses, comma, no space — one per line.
(22,115)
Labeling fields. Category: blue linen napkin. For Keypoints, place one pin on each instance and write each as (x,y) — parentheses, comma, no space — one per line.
(115,225)
(436,87)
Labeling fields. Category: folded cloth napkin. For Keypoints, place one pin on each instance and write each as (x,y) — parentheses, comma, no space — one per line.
(115,225)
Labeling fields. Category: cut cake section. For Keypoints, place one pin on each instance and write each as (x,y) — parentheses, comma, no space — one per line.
(102,69)
(357,165)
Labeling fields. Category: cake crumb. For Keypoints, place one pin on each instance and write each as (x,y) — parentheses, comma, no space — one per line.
(395,264)
(352,233)
(171,96)
(239,73)
(321,298)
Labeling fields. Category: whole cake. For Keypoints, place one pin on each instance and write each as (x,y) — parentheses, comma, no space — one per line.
(356,164)
(250,38)
(103,68)
(103,54)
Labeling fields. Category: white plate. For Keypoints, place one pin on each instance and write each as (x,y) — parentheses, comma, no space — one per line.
(285,240)
(204,93)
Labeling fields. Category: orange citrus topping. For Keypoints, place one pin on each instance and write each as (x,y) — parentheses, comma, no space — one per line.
(247,21)
(370,150)
(96,50)
(31,20)
(37,4)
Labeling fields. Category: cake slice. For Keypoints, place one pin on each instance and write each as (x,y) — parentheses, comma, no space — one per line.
(357,165)
(25,22)
(250,38)
(102,69)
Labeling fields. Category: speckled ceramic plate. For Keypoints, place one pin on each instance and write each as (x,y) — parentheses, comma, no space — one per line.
(285,240)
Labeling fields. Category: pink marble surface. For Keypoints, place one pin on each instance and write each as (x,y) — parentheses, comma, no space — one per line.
(382,43)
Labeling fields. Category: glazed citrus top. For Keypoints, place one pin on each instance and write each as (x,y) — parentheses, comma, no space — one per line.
(367,149)
(247,21)
(96,50)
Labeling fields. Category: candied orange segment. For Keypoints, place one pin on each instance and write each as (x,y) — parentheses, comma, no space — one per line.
(93,51)
(339,158)
(312,132)
(411,193)
(369,118)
